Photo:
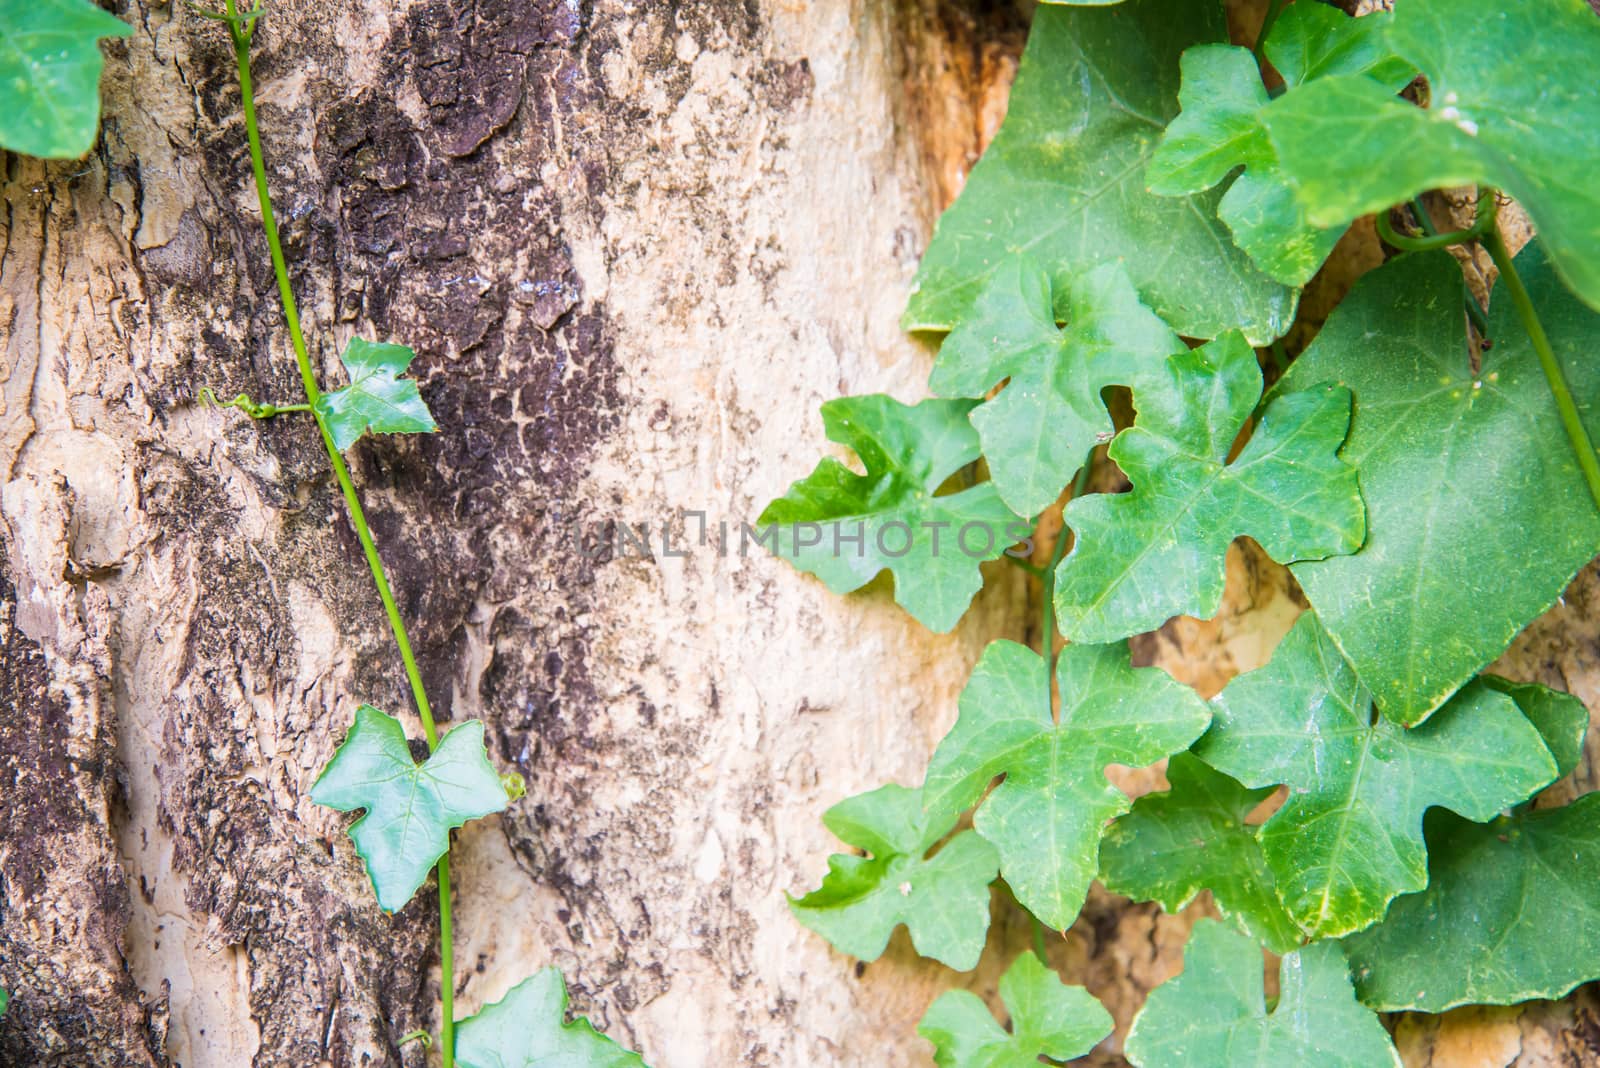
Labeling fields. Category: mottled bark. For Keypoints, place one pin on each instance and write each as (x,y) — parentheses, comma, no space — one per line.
(634,245)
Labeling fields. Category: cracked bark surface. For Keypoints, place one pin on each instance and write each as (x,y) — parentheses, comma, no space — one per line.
(634,246)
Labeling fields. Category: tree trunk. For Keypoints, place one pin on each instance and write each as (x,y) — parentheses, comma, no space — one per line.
(635,246)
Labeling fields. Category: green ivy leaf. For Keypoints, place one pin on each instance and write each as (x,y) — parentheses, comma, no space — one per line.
(377,398)
(1064,180)
(1560,718)
(528,1028)
(890,517)
(1221,128)
(1194,837)
(1509,915)
(1048,1019)
(1349,838)
(1318,41)
(1140,558)
(942,900)
(1036,433)
(1350,148)
(1047,817)
(410,807)
(50,66)
(1477,515)
(1215,1011)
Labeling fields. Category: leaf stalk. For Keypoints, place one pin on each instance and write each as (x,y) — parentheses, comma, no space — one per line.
(241,30)
(1555,376)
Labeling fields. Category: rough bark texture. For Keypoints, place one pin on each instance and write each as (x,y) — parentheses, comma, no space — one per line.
(635,245)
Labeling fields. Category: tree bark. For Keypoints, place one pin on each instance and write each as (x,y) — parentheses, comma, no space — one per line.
(634,246)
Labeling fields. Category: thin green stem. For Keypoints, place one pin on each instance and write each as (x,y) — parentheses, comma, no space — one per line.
(1274,9)
(447,977)
(1047,620)
(1039,949)
(1432,240)
(241,31)
(1474,310)
(1280,357)
(1430,243)
(1577,434)
(1031,568)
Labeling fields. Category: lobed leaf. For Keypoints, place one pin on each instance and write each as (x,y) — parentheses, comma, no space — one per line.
(1349,838)
(891,518)
(1063,181)
(1509,914)
(943,900)
(410,807)
(1142,557)
(1194,837)
(1222,128)
(1046,818)
(1215,1011)
(1350,148)
(528,1028)
(50,64)
(1040,428)
(1560,718)
(1048,1019)
(377,398)
(1477,514)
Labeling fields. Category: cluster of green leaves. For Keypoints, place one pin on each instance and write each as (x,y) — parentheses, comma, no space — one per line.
(1153,183)
(50,66)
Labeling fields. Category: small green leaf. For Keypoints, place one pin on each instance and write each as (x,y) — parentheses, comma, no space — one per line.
(1350,148)
(1192,838)
(1312,41)
(410,807)
(377,398)
(1036,433)
(528,1028)
(1221,128)
(1349,838)
(942,900)
(1214,1014)
(845,528)
(50,67)
(1063,181)
(1477,515)
(5,1000)
(1220,125)
(1140,558)
(1048,1019)
(1047,817)
(1509,915)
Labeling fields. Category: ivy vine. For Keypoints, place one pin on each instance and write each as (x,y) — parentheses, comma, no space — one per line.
(1423,467)
(50,62)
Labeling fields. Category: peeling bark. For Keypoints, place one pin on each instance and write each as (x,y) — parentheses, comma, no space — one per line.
(634,246)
